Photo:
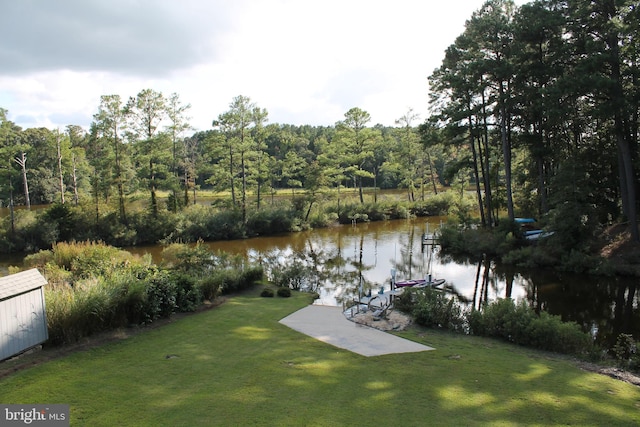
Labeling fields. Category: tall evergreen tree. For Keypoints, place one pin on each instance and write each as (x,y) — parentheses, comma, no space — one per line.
(359,141)
(110,123)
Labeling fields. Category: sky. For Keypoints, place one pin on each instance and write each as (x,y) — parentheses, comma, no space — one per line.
(304,61)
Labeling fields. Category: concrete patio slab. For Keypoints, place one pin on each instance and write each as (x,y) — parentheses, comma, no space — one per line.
(328,324)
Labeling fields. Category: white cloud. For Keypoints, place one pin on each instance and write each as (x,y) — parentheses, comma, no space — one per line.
(306,62)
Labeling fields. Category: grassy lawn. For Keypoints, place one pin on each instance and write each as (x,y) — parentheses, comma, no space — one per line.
(236,365)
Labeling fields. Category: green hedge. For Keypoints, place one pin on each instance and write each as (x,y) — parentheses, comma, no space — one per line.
(503,319)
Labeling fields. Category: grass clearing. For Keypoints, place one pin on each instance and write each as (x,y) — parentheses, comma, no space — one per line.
(236,365)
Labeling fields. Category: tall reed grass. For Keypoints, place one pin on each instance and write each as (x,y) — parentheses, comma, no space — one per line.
(93,287)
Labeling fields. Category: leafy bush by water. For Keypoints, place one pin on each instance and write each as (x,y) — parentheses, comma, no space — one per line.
(519,324)
(431,308)
(93,287)
(503,319)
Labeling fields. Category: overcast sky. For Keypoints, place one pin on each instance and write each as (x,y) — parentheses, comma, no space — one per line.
(305,61)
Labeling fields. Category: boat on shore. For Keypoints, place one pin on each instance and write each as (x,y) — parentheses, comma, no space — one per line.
(530,230)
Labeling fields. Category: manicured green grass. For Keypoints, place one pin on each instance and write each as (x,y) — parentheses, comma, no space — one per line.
(236,365)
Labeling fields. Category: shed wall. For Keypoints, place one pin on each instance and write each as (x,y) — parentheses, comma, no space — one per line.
(23,322)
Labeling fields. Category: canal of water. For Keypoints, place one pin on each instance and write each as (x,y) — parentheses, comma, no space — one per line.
(357,258)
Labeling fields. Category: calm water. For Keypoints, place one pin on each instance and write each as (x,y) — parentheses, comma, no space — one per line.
(366,253)
(348,256)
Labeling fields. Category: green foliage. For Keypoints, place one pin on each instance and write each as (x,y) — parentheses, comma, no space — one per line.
(188,295)
(626,352)
(236,280)
(365,212)
(284,292)
(548,332)
(519,324)
(516,323)
(95,287)
(210,287)
(62,217)
(270,221)
(476,242)
(432,308)
(267,293)
(197,260)
(161,296)
(436,205)
(294,275)
(82,259)
(150,227)
(502,319)
(322,219)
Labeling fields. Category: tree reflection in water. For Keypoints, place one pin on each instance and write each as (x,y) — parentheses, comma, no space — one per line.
(334,262)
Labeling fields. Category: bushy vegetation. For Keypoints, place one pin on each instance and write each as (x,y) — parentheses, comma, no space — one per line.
(431,308)
(502,319)
(39,230)
(94,287)
(519,324)
(626,352)
(565,250)
(267,293)
(284,292)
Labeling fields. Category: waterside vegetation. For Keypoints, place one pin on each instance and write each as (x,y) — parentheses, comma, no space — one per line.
(93,288)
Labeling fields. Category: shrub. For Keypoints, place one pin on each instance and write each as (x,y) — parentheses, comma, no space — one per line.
(73,313)
(284,292)
(236,280)
(432,308)
(519,324)
(547,332)
(270,221)
(626,352)
(225,225)
(322,219)
(150,228)
(294,275)
(436,205)
(196,260)
(209,287)
(83,259)
(188,295)
(161,296)
(267,293)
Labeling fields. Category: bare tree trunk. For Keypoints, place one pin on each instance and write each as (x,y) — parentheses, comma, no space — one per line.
(244,190)
(75,181)
(61,175)
(22,161)
(432,175)
(506,153)
(13,219)
(186,187)
(486,170)
(475,170)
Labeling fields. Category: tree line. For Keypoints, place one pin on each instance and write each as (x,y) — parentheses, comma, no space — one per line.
(141,145)
(545,100)
(534,108)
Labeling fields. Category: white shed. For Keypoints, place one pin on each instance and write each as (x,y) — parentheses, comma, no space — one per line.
(23,320)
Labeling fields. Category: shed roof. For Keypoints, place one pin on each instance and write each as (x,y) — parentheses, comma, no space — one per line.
(19,283)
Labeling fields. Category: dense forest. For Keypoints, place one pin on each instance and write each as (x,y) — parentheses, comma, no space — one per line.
(534,109)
